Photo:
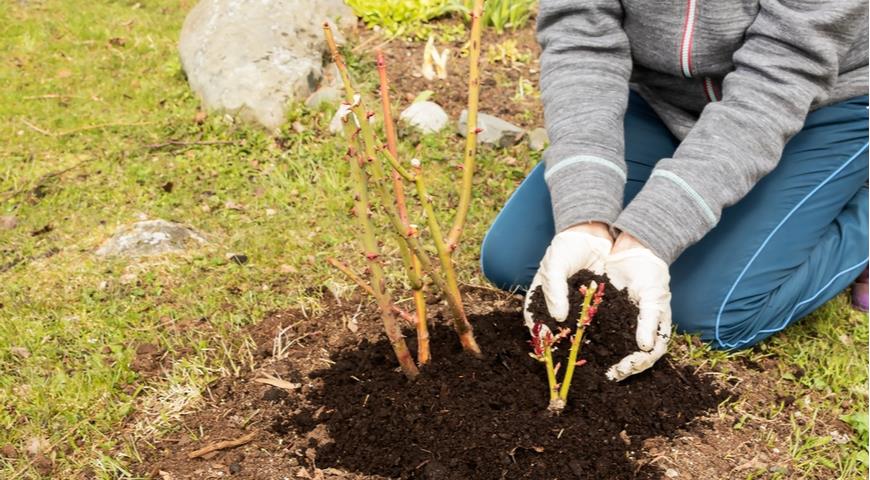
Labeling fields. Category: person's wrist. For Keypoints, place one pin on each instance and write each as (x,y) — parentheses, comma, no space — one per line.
(597,229)
(625,241)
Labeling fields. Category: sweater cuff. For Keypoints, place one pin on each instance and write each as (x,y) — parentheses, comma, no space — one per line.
(667,216)
(585,188)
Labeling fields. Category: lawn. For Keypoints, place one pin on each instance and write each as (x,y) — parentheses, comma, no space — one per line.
(94,96)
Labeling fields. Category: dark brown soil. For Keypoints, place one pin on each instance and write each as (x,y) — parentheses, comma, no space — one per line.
(610,336)
(486,419)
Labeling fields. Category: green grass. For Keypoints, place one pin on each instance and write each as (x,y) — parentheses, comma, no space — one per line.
(80,115)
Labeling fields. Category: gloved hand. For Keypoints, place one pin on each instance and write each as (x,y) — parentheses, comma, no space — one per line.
(646,277)
(570,251)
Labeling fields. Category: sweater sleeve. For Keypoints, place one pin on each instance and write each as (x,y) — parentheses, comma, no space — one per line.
(585,69)
(788,60)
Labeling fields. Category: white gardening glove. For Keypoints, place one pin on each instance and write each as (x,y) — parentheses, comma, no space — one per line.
(646,277)
(569,252)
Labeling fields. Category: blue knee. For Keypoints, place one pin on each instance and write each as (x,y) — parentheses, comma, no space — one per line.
(501,266)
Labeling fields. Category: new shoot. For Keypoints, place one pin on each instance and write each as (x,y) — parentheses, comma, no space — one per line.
(544,342)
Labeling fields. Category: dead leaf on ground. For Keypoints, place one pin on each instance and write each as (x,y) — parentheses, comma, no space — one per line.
(277,382)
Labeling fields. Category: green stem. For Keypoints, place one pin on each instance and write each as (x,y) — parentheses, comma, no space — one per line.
(578,339)
(471,132)
(551,374)
(372,253)
(450,288)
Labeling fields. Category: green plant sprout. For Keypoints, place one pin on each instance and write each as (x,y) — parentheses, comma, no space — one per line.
(544,342)
(368,174)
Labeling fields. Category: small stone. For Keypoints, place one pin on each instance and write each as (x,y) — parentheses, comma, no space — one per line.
(232,205)
(493,130)
(43,465)
(150,237)
(298,127)
(8,222)
(336,125)
(8,451)
(271,212)
(671,473)
(235,468)
(839,438)
(237,258)
(625,438)
(20,352)
(327,94)
(538,139)
(426,116)
(37,446)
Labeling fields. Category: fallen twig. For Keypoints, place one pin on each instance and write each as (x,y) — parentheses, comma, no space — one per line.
(222,445)
(182,143)
(41,180)
(49,133)
(36,128)
(48,96)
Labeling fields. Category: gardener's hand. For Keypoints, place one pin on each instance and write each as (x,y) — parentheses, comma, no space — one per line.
(631,265)
(580,247)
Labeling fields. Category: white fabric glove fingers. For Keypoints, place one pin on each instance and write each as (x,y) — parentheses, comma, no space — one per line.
(527,316)
(554,283)
(569,253)
(631,364)
(639,361)
(647,325)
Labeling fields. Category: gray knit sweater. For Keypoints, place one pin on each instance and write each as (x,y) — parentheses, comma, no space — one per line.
(732,79)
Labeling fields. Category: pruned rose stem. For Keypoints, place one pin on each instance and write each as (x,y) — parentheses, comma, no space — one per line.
(551,375)
(412,263)
(341,267)
(460,321)
(372,251)
(451,287)
(592,297)
(472,131)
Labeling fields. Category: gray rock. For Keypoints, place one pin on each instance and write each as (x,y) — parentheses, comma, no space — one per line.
(494,130)
(538,139)
(252,57)
(325,94)
(151,237)
(427,116)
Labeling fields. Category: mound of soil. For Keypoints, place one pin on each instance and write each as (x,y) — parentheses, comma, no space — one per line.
(486,419)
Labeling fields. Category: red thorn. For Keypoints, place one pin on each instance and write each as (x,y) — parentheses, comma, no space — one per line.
(372,256)
(580,363)
(477,130)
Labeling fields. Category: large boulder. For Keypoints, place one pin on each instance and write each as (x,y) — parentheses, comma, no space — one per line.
(252,57)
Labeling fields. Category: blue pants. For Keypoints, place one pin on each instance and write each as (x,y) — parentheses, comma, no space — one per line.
(796,240)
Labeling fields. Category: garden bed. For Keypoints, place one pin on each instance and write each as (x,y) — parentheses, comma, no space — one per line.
(354,416)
